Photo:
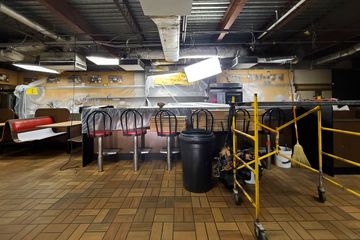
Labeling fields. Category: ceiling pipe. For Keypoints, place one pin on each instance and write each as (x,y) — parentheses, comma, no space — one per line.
(183,29)
(283,17)
(341,54)
(24,20)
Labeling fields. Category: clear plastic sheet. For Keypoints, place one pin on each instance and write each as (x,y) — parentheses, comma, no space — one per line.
(269,85)
(176,92)
(28,101)
(115,114)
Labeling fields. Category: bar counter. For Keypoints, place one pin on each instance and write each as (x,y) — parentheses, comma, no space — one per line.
(307,128)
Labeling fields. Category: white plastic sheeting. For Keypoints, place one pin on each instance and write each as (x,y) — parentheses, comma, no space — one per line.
(38,134)
(26,104)
(177,93)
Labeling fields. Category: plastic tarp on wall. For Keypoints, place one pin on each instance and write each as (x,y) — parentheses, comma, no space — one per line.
(174,86)
(28,99)
(270,85)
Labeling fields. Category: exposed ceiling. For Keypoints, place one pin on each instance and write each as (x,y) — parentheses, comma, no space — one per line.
(316,28)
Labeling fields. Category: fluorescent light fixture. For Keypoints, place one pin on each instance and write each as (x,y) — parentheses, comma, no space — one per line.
(279,60)
(35,68)
(198,56)
(203,69)
(103,61)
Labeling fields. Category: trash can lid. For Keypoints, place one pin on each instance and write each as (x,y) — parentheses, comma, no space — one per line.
(197,135)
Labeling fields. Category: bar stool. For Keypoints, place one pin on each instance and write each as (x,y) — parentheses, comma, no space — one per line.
(98,133)
(245,117)
(208,117)
(130,120)
(168,130)
(273,118)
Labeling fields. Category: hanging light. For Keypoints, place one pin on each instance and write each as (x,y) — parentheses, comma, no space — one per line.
(35,68)
(203,69)
(103,61)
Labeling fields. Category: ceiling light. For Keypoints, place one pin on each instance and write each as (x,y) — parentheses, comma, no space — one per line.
(103,61)
(35,68)
(203,69)
(198,56)
(279,60)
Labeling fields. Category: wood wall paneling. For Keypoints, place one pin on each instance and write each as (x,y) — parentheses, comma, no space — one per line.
(12,76)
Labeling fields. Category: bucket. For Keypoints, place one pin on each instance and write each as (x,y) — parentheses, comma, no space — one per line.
(281,161)
(252,179)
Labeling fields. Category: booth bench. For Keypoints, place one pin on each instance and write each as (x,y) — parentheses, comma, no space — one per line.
(26,130)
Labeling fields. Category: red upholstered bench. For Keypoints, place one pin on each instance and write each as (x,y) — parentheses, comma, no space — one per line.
(25,130)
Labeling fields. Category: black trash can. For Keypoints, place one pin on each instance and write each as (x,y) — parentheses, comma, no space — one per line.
(197,153)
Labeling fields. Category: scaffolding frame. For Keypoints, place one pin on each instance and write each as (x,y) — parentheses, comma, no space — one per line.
(258,228)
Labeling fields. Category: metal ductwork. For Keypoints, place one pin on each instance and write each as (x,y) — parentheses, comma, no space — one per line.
(169,31)
(24,20)
(337,55)
(9,55)
(190,52)
(166,15)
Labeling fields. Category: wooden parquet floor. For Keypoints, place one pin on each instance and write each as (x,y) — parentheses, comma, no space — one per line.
(38,201)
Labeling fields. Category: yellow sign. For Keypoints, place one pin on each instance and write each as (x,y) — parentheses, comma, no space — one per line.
(31,91)
(171,79)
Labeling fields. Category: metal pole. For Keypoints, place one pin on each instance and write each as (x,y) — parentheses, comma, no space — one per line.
(168,155)
(321,188)
(234,143)
(136,157)
(268,149)
(100,154)
(277,140)
(256,154)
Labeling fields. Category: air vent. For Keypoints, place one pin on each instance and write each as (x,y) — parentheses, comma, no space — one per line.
(61,61)
(132,65)
(244,62)
(8,55)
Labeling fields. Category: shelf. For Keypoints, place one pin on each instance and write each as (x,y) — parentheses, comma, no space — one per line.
(176,97)
(93,87)
(123,97)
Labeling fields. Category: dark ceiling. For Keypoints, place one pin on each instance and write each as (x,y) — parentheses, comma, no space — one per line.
(317,28)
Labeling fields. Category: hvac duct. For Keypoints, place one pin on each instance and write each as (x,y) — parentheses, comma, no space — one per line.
(169,31)
(9,55)
(337,55)
(191,52)
(24,20)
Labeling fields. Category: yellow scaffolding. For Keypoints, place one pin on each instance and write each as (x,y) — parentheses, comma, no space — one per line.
(259,229)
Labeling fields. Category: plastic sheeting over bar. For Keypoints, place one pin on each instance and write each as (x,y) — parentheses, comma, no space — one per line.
(179,109)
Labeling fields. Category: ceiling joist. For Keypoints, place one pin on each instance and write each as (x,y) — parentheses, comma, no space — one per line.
(232,12)
(289,15)
(73,19)
(123,6)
